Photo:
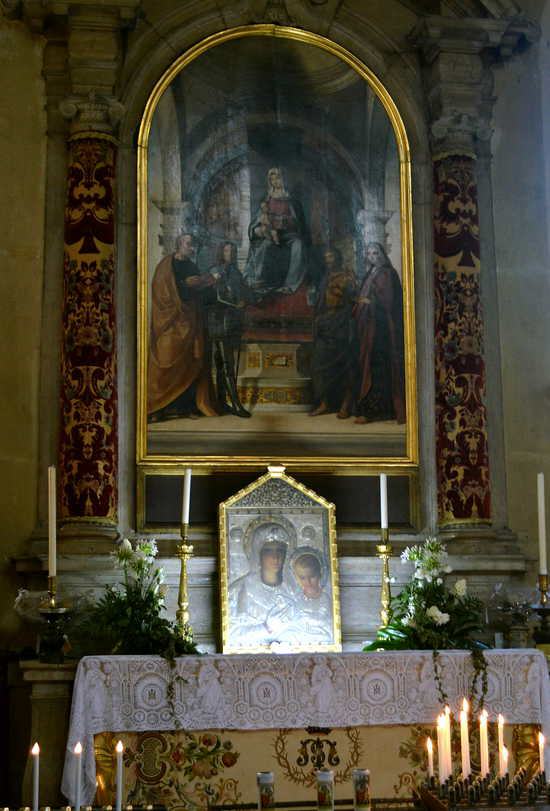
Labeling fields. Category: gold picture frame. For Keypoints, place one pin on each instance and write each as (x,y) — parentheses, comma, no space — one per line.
(197,445)
(278,568)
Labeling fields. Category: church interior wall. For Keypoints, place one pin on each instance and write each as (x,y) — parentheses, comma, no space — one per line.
(520,165)
(29,317)
(22,180)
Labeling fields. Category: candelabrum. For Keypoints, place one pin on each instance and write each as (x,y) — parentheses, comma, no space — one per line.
(542,633)
(184,552)
(384,553)
(52,639)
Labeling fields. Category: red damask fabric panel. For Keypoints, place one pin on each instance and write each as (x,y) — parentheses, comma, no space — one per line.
(88,435)
(464,494)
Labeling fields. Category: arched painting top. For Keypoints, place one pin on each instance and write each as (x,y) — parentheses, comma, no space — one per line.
(275,271)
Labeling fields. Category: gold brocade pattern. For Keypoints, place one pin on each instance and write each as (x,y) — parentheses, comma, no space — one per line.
(189,770)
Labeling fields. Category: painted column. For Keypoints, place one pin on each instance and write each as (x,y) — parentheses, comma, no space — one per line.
(462,456)
(88,432)
(88,456)
(459,92)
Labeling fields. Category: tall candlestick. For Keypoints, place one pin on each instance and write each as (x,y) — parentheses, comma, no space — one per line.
(430,748)
(383,501)
(543,566)
(483,743)
(465,740)
(52,522)
(78,781)
(441,762)
(35,751)
(541,751)
(186,496)
(119,750)
(448,759)
(500,727)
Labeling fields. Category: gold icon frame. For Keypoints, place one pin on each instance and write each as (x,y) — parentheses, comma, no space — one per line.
(278,513)
(209,463)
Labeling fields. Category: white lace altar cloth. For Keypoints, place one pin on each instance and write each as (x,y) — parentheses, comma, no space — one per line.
(130,694)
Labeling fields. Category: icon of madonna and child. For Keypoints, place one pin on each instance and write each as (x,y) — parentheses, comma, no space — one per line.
(284,600)
(352,322)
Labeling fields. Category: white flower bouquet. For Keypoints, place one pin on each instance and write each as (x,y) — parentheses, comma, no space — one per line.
(427,614)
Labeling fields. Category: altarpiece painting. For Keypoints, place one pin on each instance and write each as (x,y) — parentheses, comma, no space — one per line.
(276,308)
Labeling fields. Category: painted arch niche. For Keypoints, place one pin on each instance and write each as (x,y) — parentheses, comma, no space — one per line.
(276,282)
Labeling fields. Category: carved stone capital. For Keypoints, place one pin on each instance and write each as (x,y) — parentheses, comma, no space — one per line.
(457,55)
(93,112)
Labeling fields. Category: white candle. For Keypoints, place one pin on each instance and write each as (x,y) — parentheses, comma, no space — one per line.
(441,763)
(186,496)
(35,775)
(78,768)
(505,759)
(430,748)
(541,751)
(52,521)
(500,726)
(448,758)
(465,740)
(543,566)
(383,501)
(483,743)
(119,750)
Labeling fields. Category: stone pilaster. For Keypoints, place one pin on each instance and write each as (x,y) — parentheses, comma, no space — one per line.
(458,85)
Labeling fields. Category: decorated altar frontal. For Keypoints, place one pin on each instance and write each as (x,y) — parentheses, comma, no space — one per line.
(198,733)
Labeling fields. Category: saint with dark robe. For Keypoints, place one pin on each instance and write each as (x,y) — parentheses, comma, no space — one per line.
(333,368)
(277,259)
(378,315)
(179,380)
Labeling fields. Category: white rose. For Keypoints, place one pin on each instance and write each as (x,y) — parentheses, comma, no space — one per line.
(439,617)
(460,588)
(125,546)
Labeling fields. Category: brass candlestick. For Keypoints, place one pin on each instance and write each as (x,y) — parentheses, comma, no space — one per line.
(384,553)
(541,635)
(52,592)
(52,638)
(184,552)
(543,588)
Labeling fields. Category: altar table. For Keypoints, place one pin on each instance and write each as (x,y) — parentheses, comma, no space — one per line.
(349,695)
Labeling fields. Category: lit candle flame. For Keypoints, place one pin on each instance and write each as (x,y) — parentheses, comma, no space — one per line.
(78,748)
(119,747)
(447,709)
(465,706)
(36,749)
(483,715)
(441,721)
(500,720)
(430,745)
(542,739)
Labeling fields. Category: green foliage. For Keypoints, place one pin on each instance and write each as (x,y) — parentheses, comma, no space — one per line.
(127,618)
(428,615)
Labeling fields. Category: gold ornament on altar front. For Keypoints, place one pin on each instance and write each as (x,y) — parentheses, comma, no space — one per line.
(184,553)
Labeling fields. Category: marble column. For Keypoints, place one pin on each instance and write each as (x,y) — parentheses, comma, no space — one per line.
(458,85)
